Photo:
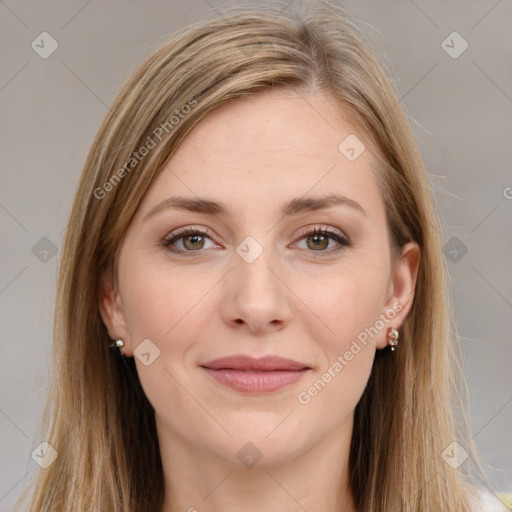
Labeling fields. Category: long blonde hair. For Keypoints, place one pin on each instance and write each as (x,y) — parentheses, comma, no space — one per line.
(97,416)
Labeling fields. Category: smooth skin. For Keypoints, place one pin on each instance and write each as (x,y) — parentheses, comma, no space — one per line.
(304,297)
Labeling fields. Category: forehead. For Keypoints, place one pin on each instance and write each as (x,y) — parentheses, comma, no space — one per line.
(271,146)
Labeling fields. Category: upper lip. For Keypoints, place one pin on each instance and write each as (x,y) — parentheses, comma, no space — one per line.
(243,362)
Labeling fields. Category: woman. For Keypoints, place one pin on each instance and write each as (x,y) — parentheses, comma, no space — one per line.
(252,309)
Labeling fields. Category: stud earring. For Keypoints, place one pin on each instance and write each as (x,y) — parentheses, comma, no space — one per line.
(119,344)
(392,337)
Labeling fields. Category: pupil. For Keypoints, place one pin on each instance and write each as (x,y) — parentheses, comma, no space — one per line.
(318,239)
(193,240)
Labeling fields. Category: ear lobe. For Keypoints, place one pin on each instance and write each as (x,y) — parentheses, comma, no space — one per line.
(110,308)
(403,285)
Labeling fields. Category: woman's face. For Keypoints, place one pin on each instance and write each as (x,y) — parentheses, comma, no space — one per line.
(256,281)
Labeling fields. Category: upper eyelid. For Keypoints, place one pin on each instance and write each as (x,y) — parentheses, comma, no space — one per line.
(317,227)
(187,231)
(305,231)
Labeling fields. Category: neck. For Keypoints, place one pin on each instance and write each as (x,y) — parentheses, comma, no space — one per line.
(315,479)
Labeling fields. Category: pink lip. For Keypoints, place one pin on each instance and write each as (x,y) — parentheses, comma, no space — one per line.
(249,375)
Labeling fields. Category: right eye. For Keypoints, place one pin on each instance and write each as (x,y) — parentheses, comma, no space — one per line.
(191,240)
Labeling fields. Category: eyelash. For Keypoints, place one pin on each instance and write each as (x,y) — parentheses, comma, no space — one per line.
(333,235)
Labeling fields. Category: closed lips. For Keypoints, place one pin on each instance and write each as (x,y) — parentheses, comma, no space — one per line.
(246,374)
(267,363)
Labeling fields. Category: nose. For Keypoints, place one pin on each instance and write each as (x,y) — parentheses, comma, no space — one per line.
(257,298)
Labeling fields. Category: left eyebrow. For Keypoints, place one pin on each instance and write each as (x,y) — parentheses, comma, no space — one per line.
(292,207)
(304,204)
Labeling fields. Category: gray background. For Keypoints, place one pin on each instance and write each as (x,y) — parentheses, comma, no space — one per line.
(51,109)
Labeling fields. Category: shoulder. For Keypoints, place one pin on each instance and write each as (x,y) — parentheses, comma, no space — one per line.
(484,501)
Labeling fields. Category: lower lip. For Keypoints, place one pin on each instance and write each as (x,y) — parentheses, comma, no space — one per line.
(254,381)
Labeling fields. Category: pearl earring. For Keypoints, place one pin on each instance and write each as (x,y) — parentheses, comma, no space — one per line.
(117,344)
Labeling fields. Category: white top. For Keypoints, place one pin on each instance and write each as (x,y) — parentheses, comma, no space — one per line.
(488,503)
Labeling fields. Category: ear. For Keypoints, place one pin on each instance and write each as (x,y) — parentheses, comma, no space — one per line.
(401,289)
(111,310)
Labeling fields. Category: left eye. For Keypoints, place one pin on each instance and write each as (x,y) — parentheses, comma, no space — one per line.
(318,240)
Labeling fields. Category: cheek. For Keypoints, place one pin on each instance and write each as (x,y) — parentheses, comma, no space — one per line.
(355,313)
(332,394)
(351,309)
(159,305)
(344,304)
(158,301)
(350,305)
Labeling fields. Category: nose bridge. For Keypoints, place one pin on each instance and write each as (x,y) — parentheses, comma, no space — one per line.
(253,268)
(258,297)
